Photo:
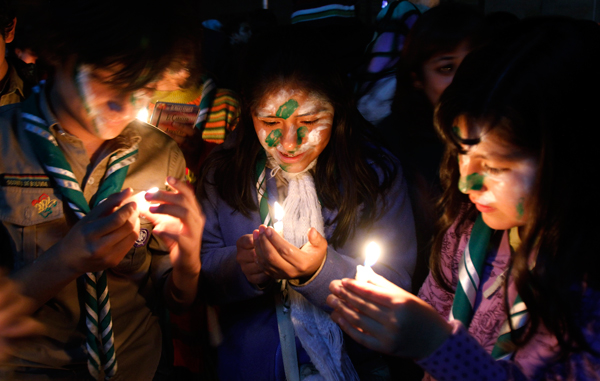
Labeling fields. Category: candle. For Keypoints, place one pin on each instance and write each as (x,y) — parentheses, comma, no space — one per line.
(142,204)
(278,225)
(364,273)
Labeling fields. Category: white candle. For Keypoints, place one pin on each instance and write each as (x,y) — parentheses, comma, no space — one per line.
(278,225)
(364,273)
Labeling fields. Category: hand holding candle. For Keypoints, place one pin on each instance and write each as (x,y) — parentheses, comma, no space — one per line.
(372,253)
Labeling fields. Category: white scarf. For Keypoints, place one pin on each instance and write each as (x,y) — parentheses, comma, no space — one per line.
(320,336)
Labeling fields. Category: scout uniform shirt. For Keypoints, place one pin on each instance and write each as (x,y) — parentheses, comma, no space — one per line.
(34,218)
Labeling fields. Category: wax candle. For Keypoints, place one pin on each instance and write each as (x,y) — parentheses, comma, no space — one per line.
(278,225)
(372,252)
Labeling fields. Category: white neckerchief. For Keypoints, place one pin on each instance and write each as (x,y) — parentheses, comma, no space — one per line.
(320,336)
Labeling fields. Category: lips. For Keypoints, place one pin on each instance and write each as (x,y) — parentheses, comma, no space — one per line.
(482,208)
(289,159)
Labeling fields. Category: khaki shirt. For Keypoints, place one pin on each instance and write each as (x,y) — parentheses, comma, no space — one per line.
(13,88)
(35,217)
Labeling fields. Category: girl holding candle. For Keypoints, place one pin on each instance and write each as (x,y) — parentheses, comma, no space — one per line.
(514,272)
(301,142)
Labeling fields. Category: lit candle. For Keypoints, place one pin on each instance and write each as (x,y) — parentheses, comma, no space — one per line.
(278,225)
(364,273)
(143,116)
(142,204)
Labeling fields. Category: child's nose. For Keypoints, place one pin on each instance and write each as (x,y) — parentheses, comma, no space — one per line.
(289,141)
(471,178)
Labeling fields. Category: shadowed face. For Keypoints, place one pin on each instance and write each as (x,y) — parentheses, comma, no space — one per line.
(293,126)
(498,179)
(107,110)
(439,70)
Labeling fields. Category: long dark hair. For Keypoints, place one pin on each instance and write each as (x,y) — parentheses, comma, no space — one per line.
(344,177)
(538,90)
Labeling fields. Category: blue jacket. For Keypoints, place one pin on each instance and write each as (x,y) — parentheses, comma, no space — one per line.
(250,349)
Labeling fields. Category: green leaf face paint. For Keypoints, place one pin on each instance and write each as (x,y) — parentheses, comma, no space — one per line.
(474,181)
(274,137)
(287,109)
(301,133)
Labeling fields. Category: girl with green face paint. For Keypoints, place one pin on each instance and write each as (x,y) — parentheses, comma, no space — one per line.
(497,181)
(293,126)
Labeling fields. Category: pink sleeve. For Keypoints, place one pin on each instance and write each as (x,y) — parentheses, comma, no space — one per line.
(452,248)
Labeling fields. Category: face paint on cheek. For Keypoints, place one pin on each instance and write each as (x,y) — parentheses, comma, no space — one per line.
(314,137)
(284,167)
(287,109)
(301,133)
(273,138)
(521,208)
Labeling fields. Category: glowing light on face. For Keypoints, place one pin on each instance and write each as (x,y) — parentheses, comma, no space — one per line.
(108,110)
(293,126)
(497,178)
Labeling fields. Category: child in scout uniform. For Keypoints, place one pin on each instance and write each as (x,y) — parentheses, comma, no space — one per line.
(94,250)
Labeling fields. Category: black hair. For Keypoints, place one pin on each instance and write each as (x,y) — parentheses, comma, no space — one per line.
(344,177)
(536,89)
(7,16)
(138,39)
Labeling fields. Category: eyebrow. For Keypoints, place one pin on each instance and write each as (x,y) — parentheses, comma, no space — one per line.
(309,113)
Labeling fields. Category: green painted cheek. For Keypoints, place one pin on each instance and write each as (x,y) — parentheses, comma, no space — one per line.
(474,181)
(521,208)
(273,138)
(301,133)
(287,109)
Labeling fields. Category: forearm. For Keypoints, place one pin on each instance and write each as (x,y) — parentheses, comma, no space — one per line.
(181,289)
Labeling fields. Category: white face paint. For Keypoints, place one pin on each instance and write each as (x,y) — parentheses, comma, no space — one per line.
(108,110)
(293,126)
(497,178)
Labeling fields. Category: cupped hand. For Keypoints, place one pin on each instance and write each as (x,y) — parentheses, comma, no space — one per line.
(384,317)
(101,239)
(246,257)
(281,260)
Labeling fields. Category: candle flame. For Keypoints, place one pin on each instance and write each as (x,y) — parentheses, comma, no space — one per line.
(143,115)
(152,190)
(372,254)
(278,211)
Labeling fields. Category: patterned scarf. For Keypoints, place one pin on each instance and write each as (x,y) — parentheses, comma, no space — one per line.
(99,335)
(469,276)
(320,336)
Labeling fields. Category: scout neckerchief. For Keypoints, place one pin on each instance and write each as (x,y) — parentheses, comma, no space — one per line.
(97,301)
(319,335)
(469,276)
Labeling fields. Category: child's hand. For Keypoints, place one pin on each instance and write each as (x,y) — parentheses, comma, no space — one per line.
(246,257)
(179,222)
(282,260)
(385,318)
(102,238)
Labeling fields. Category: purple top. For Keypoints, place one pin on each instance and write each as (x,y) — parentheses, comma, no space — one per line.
(466,354)
(250,349)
